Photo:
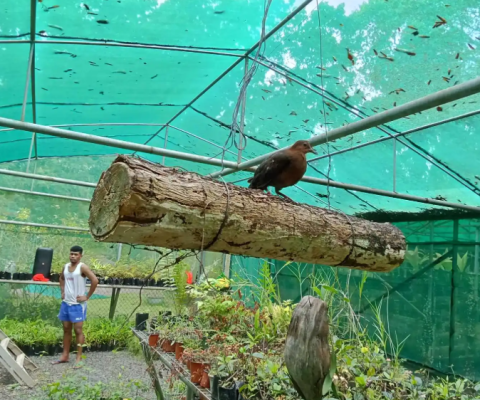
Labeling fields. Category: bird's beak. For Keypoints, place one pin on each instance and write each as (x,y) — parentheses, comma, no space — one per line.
(312,150)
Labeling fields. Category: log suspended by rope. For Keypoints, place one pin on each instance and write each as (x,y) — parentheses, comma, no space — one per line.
(307,352)
(140,202)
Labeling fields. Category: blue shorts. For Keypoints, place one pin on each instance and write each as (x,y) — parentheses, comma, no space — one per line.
(73,313)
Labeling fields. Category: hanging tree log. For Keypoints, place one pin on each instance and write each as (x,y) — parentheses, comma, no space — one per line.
(307,353)
(139,202)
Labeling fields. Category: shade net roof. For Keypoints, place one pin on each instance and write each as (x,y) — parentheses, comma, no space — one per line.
(90,71)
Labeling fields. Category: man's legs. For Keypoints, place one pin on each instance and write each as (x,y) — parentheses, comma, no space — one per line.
(67,340)
(78,326)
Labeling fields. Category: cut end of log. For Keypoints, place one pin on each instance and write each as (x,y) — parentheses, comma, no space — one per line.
(108,199)
(140,202)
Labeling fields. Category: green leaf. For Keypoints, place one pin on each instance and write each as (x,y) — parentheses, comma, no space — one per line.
(257,320)
(318,291)
(330,289)
(361,380)
(258,355)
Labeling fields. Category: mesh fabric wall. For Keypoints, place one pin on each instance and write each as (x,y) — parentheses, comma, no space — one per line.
(436,312)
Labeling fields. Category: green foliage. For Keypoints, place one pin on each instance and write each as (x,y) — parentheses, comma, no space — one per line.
(73,387)
(31,332)
(98,331)
(17,301)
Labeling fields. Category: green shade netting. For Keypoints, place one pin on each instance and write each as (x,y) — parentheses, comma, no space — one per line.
(365,57)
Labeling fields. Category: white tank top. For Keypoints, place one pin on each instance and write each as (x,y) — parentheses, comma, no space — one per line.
(75,284)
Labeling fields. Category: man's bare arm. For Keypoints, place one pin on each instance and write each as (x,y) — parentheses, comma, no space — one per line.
(62,284)
(87,272)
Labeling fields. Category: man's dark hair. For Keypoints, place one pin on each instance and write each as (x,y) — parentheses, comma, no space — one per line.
(76,249)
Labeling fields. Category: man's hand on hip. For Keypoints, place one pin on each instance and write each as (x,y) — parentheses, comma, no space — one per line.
(82,299)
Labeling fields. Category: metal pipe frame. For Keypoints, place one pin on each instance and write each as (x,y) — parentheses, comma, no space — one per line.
(31,76)
(387,193)
(13,41)
(381,192)
(134,124)
(140,46)
(47,178)
(189,157)
(55,196)
(251,50)
(424,103)
(242,116)
(383,139)
(65,228)
(358,114)
(83,137)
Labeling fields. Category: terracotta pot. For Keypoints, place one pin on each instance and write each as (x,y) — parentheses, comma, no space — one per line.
(188,364)
(178,350)
(205,381)
(153,339)
(196,372)
(167,346)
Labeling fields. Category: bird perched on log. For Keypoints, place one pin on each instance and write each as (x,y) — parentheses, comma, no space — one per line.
(282,169)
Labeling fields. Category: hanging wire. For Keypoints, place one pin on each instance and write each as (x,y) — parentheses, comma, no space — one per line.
(323,105)
(235,126)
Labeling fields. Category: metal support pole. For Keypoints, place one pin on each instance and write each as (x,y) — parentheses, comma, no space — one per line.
(65,228)
(55,196)
(386,193)
(27,83)
(395,165)
(433,100)
(242,116)
(382,139)
(31,76)
(165,144)
(47,178)
(476,263)
(454,251)
(83,137)
(119,251)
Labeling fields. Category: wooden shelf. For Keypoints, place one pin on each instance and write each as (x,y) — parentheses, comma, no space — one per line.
(180,370)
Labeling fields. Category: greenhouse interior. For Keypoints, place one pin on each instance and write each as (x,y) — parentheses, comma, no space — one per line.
(137,127)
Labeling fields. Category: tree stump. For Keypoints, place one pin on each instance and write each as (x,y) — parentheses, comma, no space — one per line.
(139,202)
(307,353)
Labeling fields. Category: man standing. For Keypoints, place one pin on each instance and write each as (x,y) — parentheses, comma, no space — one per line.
(73,310)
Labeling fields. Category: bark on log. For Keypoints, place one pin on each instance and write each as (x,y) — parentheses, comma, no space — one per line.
(307,353)
(139,202)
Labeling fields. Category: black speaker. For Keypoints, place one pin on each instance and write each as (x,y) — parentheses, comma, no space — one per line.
(141,321)
(43,261)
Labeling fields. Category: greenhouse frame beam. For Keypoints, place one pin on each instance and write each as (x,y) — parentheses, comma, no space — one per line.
(47,178)
(65,228)
(387,193)
(55,196)
(31,77)
(424,103)
(141,46)
(237,62)
(385,138)
(84,137)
